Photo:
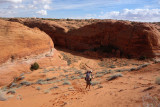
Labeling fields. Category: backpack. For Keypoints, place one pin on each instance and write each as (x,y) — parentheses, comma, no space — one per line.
(88,76)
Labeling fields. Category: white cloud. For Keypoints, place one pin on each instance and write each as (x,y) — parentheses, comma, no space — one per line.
(42,12)
(13,1)
(42,1)
(46,1)
(148,15)
(47,7)
(25,7)
(31,6)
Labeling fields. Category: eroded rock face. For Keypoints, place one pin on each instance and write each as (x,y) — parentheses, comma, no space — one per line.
(17,41)
(131,38)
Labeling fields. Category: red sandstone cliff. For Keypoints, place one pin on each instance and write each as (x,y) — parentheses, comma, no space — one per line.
(131,38)
(20,46)
(17,41)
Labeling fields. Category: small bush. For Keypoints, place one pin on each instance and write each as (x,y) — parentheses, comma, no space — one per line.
(11,92)
(66,83)
(25,83)
(5,88)
(71,88)
(65,70)
(51,69)
(46,91)
(100,86)
(13,85)
(144,65)
(99,75)
(82,76)
(142,58)
(102,72)
(45,71)
(77,77)
(34,66)
(112,77)
(40,81)
(54,87)
(95,83)
(133,69)
(112,66)
(150,101)
(157,80)
(19,97)
(38,88)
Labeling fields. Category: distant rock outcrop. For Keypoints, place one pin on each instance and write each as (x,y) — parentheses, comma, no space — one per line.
(18,41)
(130,38)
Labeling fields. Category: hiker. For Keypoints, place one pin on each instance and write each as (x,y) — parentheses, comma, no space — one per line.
(88,78)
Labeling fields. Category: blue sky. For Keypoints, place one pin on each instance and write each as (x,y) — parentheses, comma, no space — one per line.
(134,10)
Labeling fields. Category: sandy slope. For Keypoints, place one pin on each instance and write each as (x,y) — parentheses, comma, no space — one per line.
(126,91)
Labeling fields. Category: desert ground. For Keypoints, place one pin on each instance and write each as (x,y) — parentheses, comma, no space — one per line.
(65,85)
(119,80)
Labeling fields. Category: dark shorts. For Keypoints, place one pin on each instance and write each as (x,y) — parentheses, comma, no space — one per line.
(88,82)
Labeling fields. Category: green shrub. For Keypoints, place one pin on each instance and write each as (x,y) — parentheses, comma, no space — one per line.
(38,88)
(54,87)
(142,58)
(13,85)
(157,80)
(19,97)
(11,91)
(71,88)
(25,83)
(34,66)
(77,77)
(150,101)
(46,91)
(112,66)
(66,83)
(112,77)
(144,65)
(100,86)
(95,83)
(98,75)
(45,71)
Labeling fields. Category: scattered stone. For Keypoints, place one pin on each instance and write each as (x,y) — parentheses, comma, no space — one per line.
(120,90)
(149,88)
(49,79)
(2,96)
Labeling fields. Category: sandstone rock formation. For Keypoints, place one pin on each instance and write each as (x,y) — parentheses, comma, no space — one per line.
(130,38)
(17,41)
(20,47)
